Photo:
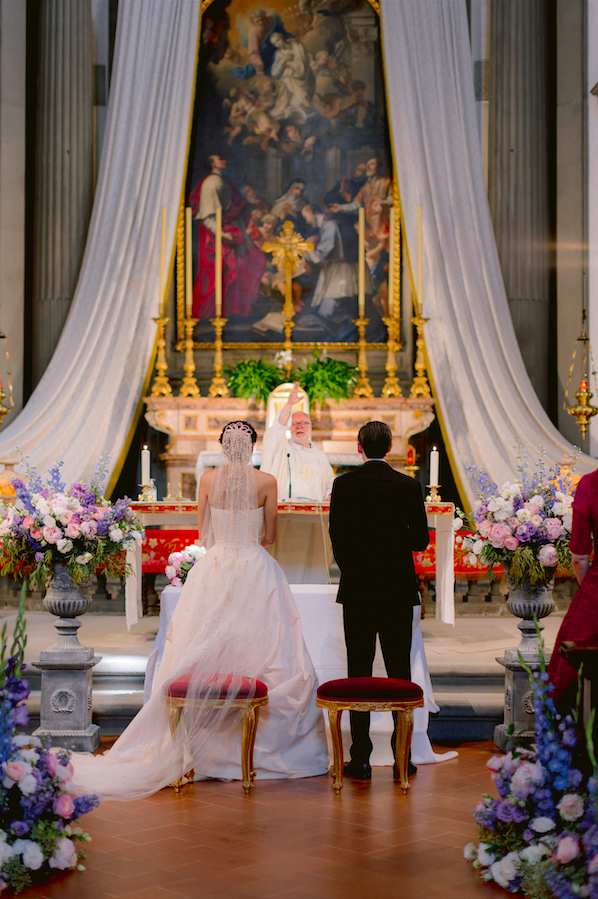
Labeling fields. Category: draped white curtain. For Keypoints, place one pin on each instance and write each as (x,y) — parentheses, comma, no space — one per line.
(486,399)
(85,403)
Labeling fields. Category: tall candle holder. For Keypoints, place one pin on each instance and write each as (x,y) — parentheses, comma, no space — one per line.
(420,386)
(189,386)
(161,385)
(391,384)
(434,495)
(218,387)
(363,387)
(146,495)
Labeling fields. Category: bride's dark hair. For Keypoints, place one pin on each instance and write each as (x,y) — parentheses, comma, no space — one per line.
(248,427)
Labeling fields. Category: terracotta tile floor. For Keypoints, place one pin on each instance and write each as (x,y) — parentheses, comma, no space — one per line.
(291,839)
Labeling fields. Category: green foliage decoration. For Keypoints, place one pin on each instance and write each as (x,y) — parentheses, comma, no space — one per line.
(254,379)
(324,378)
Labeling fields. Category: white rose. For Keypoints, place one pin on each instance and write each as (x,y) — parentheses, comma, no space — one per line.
(538,500)
(542,825)
(21,740)
(472,560)
(478,546)
(457,524)
(30,754)
(84,558)
(33,857)
(533,854)
(567,519)
(49,521)
(493,506)
(477,503)
(558,509)
(64,545)
(505,870)
(196,552)
(137,537)
(4,527)
(470,852)
(6,852)
(502,515)
(27,785)
(115,535)
(485,858)
(42,506)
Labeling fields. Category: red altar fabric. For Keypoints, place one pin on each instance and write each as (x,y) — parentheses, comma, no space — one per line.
(158,545)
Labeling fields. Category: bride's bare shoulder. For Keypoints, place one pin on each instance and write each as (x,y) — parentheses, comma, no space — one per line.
(265,480)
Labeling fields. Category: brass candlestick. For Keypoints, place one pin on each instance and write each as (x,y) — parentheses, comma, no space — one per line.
(420,386)
(146,495)
(391,384)
(161,386)
(363,387)
(433,496)
(218,386)
(168,495)
(189,386)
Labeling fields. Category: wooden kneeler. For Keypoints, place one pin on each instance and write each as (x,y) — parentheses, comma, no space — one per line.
(251,695)
(371,694)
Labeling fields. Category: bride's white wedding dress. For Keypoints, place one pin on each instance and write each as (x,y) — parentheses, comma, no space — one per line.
(236,615)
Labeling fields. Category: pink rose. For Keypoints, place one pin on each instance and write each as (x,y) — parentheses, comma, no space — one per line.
(36,533)
(511,543)
(495,763)
(499,533)
(64,806)
(484,528)
(88,528)
(99,514)
(513,522)
(72,529)
(64,856)
(52,535)
(66,517)
(532,508)
(16,770)
(548,555)
(70,788)
(554,528)
(527,776)
(567,850)
(52,763)
(28,521)
(571,807)
(64,772)
(176,582)
(593,865)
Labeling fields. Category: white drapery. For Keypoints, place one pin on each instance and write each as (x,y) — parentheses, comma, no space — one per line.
(486,399)
(85,403)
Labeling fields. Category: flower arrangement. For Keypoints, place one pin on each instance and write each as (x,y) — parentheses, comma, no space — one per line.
(525,526)
(75,526)
(540,836)
(181,563)
(324,379)
(39,806)
(254,379)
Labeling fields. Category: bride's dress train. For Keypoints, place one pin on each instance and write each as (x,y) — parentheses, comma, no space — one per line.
(236,615)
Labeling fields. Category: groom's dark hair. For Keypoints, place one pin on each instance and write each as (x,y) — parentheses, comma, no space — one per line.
(375,439)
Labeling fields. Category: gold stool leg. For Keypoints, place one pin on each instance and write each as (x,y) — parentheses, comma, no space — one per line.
(257,721)
(402,745)
(249,726)
(334,717)
(174,720)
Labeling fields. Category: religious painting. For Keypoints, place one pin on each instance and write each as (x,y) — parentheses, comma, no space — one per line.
(290,124)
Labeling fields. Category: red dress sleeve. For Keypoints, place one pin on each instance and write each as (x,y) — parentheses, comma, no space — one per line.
(584,513)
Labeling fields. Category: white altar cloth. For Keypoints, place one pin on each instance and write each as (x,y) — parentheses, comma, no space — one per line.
(322,624)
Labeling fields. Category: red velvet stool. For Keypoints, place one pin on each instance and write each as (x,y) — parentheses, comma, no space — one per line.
(250,695)
(371,694)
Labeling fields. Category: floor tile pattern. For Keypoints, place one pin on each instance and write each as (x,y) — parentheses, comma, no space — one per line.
(292,839)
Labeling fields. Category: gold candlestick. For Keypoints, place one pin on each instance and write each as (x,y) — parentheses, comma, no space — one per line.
(189,386)
(434,495)
(420,386)
(363,387)
(161,385)
(146,495)
(583,411)
(218,387)
(391,384)
(168,496)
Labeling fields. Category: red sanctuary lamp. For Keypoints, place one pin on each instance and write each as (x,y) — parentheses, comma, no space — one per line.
(411,467)
(583,411)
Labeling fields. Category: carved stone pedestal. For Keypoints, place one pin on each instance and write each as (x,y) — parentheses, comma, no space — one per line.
(519,709)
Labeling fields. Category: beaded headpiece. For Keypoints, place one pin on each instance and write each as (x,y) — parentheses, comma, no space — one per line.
(239,426)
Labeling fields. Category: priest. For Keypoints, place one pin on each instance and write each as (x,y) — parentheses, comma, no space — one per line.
(302,470)
(302,547)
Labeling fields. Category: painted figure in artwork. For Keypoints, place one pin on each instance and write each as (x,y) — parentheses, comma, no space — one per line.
(243,264)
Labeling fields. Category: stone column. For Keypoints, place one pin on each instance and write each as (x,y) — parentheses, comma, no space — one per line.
(518,174)
(64,169)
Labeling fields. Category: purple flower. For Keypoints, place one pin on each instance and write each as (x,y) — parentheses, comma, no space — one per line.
(506,812)
(19,828)
(526,531)
(528,835)
(20,716)
(39,557)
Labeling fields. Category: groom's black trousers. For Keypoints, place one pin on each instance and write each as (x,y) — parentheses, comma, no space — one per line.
(393,623)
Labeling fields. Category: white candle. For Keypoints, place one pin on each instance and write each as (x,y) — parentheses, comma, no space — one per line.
(434,466)
(218,264)
(162,263)
(145,466)
(188,264)
(420,261)
(391,261)
(361,265)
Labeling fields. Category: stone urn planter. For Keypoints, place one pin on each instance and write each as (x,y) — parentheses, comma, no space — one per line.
(67,600)
(526,601)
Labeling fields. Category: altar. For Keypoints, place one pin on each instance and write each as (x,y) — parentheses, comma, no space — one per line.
(310,561)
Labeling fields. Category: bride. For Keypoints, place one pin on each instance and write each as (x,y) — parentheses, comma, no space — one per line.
(236,616)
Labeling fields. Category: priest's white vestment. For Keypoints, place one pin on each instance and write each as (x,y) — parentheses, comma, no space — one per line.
(302,472)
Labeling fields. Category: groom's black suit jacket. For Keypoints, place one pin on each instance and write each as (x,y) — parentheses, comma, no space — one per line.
(377,519)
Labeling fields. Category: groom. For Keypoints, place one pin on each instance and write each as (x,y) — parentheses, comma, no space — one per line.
(377,520)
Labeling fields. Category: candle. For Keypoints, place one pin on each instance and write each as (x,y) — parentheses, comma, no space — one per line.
(145,466)
(391,261)
(583,385)
(410,456)
(434,466)
(188,265)
(162,259)
(420,261)
(361,268)
(218,262)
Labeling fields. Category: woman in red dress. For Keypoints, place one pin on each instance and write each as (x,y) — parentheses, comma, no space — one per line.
(580,624)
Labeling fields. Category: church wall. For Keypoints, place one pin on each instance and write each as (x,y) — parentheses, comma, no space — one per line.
(571,188)
(12,190)
(592,194)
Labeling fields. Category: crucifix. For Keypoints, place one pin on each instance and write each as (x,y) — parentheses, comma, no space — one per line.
(288,249)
